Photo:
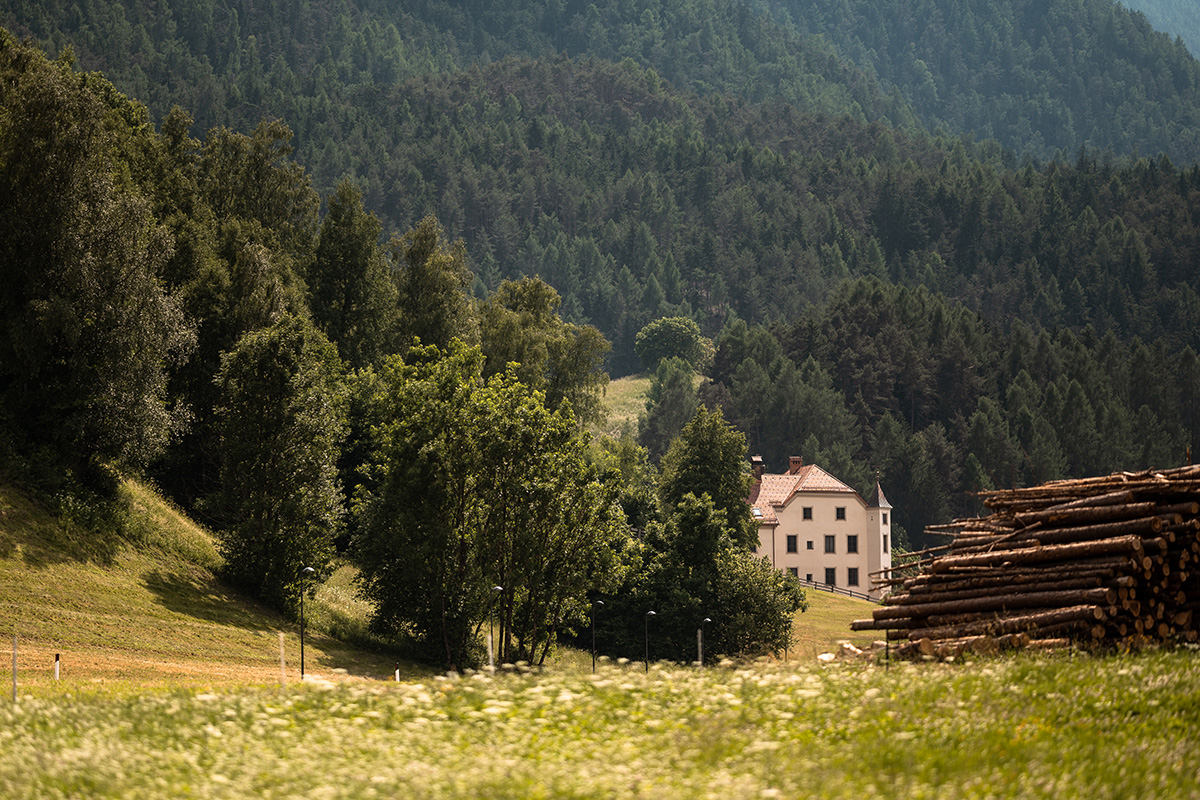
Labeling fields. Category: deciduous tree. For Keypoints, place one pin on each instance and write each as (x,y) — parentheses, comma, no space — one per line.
(475,484)
(87,328)
(519,324)
(281,420)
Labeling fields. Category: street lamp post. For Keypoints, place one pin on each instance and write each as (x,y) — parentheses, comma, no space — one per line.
(649,614)
(700,641)
(597,603)
(496,590)
(304,575)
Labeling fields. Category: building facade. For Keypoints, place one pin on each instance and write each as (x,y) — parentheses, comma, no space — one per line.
(818,529)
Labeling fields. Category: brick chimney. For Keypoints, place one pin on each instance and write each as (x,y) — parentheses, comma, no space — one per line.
(794,464)
(757,467)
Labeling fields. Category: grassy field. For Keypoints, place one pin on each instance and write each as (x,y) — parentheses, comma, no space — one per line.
(624,400)
(170,688)
(827,622)
(145,609)
(1071,726)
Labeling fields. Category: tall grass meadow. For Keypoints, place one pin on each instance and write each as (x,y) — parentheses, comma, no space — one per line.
(1067,726)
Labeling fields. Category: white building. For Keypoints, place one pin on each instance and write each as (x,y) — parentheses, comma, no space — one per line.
(818,528)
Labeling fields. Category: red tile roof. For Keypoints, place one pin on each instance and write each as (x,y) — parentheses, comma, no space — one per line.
(774,491)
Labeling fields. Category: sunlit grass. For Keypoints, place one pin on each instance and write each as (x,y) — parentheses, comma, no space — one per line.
(1056,727)
(827,622)
(144,607)
(170,687)
(624,401)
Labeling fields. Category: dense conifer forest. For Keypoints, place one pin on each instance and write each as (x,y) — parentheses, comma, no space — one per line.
(954,244)
(1175,17)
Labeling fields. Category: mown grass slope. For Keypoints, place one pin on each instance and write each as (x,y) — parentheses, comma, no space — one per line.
(145,607)
(827,622)
(142,606)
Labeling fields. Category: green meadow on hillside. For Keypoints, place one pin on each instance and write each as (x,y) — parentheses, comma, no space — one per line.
(143,609)
(624,401)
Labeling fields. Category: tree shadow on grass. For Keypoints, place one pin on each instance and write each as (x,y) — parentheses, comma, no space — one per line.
(46,545)
(83,531)
(201,597)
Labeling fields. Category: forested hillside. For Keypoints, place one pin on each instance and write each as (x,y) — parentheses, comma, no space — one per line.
(181,307)
(636,200)
(191,296)
(1175,17)
(1039,76)
(314,64)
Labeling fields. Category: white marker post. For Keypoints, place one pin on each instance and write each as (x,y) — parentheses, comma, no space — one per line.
(56,666)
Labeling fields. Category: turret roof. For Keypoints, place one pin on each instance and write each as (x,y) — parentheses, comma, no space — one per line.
(878,500)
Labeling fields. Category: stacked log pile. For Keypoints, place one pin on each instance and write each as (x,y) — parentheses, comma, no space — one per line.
(1115,559)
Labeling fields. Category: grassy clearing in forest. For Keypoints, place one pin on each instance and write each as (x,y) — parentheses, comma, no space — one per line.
(624,401)
(1065,726)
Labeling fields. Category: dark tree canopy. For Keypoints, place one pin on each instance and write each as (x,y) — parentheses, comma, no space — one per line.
(351,295)
(282,421)
(709,458)
(519,324)
(432,278)
(87,329)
